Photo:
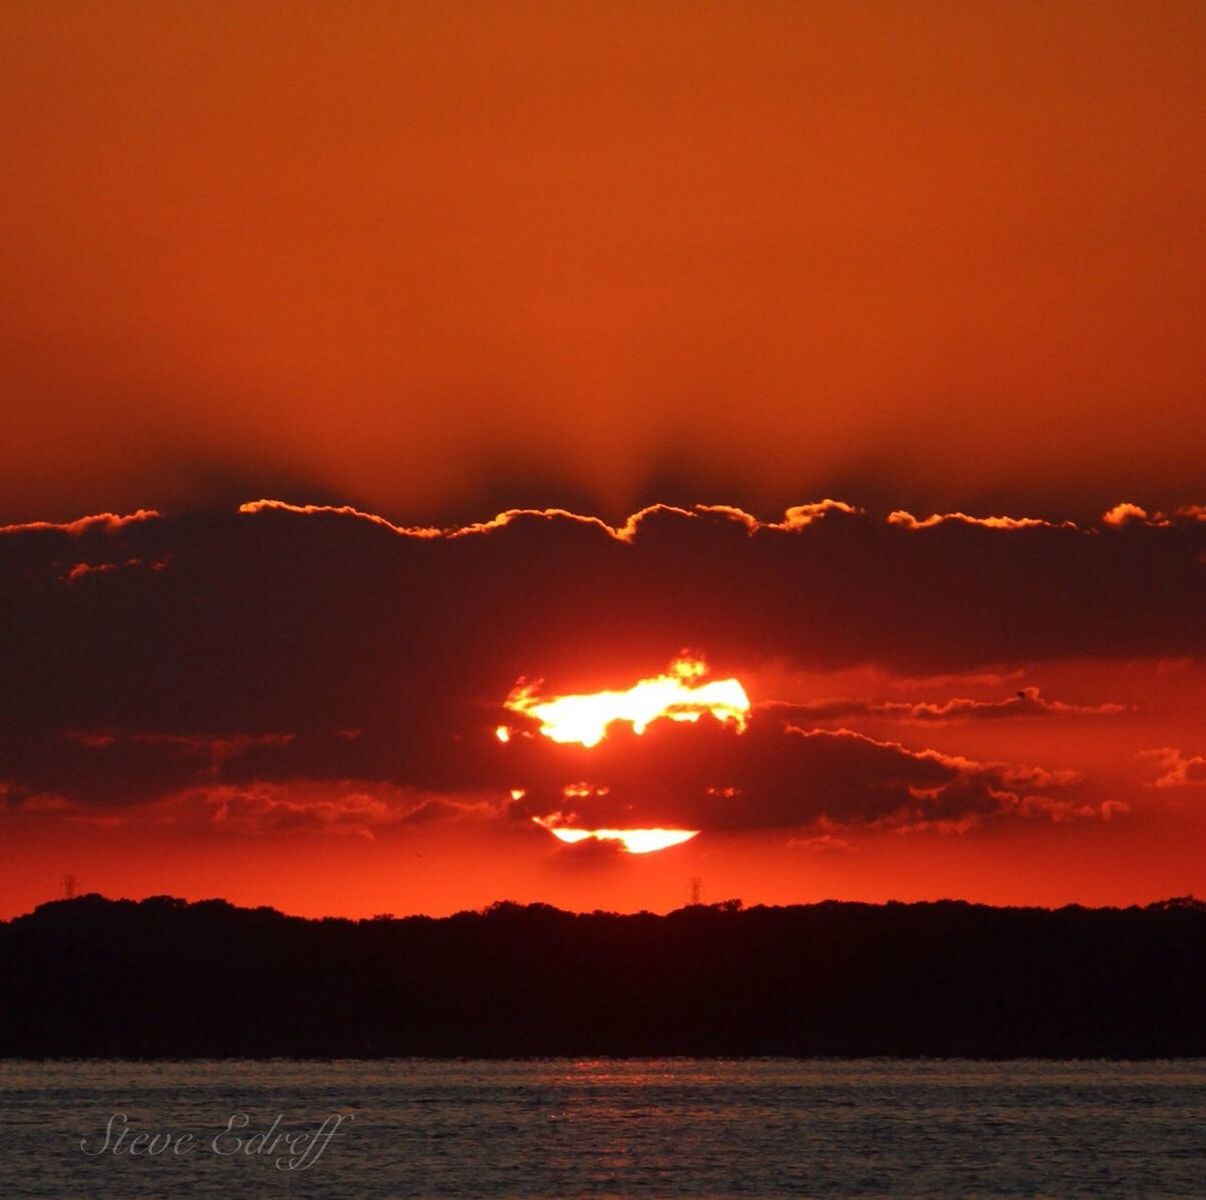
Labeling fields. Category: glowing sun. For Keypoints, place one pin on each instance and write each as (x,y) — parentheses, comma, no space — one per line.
(682,693)
(635,841)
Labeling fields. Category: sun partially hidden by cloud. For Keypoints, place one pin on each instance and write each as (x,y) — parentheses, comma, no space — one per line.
(681,694)
(635,841)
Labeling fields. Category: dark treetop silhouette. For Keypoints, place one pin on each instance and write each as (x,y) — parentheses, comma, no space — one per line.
(164,978)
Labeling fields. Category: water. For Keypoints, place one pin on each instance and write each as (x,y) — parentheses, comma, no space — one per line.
(608,1128)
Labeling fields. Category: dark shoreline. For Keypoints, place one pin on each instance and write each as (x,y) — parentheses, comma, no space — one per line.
(163,980)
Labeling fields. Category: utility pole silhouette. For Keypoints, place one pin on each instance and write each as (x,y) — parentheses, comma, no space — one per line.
(696,890)
(68,887)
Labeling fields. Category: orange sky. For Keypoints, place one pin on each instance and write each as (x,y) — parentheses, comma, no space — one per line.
(448,258)
(435,261)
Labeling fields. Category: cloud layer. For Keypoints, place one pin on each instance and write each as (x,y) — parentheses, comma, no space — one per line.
(1026,702)
(148,655)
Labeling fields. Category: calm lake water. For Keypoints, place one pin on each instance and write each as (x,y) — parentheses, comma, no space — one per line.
(565,1129)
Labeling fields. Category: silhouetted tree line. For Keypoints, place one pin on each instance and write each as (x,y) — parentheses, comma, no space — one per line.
(164,978)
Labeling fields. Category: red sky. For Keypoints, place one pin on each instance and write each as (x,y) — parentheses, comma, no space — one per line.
(437,261)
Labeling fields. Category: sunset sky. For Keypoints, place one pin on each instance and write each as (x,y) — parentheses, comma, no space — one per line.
(363,364)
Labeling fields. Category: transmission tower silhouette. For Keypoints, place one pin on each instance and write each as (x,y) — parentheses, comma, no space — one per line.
(696,890)
(69,887)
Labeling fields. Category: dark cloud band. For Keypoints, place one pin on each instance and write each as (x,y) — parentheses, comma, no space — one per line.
(325,643)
